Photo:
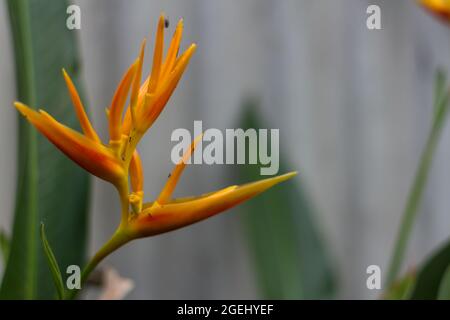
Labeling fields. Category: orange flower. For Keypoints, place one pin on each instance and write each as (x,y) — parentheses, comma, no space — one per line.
(118,161)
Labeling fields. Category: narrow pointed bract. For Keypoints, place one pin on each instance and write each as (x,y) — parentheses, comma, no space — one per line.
(171,183)
(157,56)
(156,219)
(173,50)
(118,102)
(79,109)
(90,155)
(136,84)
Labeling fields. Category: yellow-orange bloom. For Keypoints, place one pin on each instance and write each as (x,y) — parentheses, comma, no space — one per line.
(440,8)
(118,161)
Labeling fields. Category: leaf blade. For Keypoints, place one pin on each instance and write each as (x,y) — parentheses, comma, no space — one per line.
(52,264)
(4,246)
(290,259)
(444,286)
(50,187)
(431,273)
(441,107)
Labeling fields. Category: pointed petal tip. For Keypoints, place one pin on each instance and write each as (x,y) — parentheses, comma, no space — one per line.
(162,21)
(143,45)
(18,104)
(189,52)
(22,108)
(180,24)
(256,187)
(66,77)
(288,175)
(142,50)
(278,179)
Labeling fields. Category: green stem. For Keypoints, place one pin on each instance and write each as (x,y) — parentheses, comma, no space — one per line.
(416,192)
(123,190)
(117,240)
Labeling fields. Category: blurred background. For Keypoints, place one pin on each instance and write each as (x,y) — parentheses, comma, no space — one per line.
(353,106)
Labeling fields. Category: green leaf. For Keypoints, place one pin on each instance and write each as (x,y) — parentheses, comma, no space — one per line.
(52,264)
(4,246)
(441,107)
(431,274)
(50,187)
(444,287)
(289,255)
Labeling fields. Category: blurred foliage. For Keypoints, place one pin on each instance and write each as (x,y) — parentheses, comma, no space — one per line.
(432,281)
(432,274)
(53,264)
(444,286)
(50,187)
(401,289)
(4,247)
(289,255)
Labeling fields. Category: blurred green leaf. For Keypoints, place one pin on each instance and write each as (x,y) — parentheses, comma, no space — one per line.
(441,107)
(401,289)
(289,256)
(52,264)
(4,246)
(50,187)
(431,274)
(444,286)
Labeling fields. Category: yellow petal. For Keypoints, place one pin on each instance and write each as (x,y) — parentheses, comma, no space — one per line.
(136,172)
(88,154)
(157,56)
(79,109)
(156,219)
(171,183)
(149,113)
(171,57)
(136,83)
(128,120)
(118,102)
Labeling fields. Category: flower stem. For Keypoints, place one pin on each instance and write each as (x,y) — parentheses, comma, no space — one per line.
(417,189)
(117,240)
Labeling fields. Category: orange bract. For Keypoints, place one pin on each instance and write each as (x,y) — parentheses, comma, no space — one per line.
(87,153)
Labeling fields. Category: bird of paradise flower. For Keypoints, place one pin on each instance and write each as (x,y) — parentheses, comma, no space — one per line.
(118,162)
